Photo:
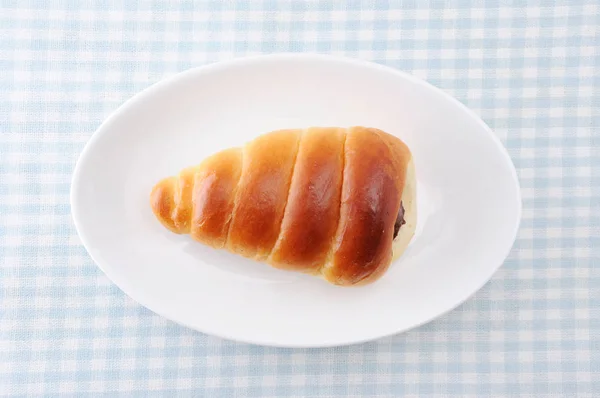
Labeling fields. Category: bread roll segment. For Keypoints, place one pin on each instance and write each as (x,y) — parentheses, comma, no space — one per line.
(261,197)
(215,187)
(313,206)
(373,182)
(322,200)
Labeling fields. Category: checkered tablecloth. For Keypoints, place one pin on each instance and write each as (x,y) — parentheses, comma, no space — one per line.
(530,69)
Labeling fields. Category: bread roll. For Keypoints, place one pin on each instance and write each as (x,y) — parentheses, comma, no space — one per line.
(333,202)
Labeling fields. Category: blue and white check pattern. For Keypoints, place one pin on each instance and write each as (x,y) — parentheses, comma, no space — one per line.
(530,69)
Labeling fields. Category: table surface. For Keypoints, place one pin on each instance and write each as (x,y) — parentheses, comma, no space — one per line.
(531,71)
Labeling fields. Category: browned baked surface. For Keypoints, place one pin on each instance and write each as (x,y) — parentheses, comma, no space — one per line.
(262,193)
(374,174)
(312,212)
(215,186)
(321,200)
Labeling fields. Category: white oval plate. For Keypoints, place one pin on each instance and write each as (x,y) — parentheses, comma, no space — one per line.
(468,199)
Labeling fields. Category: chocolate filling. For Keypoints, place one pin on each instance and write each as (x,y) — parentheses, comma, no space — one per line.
(399,220)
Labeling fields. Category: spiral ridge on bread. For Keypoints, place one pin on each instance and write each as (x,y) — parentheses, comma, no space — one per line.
(322,200)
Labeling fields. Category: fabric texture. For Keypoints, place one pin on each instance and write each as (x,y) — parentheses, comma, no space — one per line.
(530,69)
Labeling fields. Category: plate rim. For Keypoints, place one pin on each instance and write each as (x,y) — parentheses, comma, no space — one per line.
(240,61)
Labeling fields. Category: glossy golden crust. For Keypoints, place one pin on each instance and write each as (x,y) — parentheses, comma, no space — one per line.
(262,193)
(215,187)
(162,202)
(373,181)
(312,212)
(321,201)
